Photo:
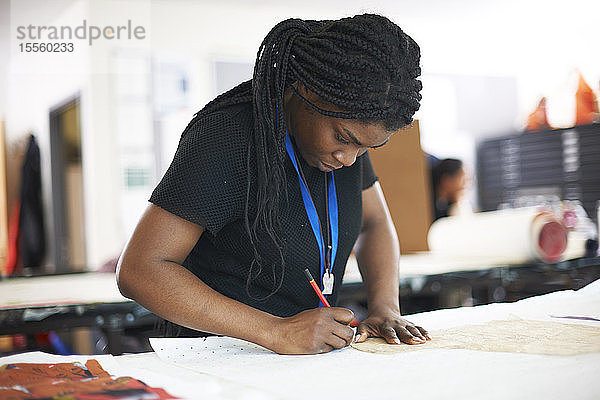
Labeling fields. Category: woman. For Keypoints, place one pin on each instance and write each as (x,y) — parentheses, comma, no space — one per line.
(448,181)
(251,198)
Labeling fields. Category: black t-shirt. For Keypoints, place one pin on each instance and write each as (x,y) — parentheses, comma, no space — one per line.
(207,182)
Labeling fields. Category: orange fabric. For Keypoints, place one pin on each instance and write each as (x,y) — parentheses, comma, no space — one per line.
(538,119)
(72,381)
(96,369)
(586,103)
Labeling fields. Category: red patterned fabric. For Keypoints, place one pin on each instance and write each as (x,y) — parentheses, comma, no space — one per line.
(73,381)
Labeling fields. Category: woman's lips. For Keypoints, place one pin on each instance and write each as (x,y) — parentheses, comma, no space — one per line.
(328,167)
(323,167)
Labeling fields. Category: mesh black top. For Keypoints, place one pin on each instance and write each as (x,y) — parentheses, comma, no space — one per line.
(206,184)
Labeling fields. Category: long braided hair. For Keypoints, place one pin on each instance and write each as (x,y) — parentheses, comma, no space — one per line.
(364,65)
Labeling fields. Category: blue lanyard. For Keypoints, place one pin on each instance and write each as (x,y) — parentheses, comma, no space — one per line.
(311,211)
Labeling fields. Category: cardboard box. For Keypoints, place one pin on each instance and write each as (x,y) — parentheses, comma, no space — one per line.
(403,173)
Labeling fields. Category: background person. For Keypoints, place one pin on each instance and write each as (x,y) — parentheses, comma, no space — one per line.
(448,181)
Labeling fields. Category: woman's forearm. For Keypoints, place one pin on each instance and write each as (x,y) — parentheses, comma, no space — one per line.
(172,292)
(378,253)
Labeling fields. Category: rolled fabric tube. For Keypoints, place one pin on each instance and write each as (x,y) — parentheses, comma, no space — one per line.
(510,236)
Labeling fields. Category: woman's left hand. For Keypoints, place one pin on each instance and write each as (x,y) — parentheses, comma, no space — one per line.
(393,328)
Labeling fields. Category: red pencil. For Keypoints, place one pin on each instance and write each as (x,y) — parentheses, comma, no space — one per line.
(354,323)
(312,282)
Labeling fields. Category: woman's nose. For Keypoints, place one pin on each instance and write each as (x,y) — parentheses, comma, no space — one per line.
(346,158)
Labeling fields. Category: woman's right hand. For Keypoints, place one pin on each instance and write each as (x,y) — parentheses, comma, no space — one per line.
(319,330)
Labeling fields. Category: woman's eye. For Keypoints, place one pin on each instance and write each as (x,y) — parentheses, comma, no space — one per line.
(341,139)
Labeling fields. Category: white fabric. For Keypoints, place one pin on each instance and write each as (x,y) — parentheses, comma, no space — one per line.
(428,374)
(351,374)
(148,368)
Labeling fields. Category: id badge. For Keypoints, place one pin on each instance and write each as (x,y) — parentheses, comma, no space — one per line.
(327,283)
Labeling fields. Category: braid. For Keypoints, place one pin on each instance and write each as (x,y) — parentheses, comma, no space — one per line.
(365,65)
(239,94)
(372,73)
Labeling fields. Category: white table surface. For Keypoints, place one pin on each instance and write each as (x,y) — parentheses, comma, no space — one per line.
(83,288)
(427,374)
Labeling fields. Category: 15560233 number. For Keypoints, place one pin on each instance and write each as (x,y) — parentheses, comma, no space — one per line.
(47,47)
